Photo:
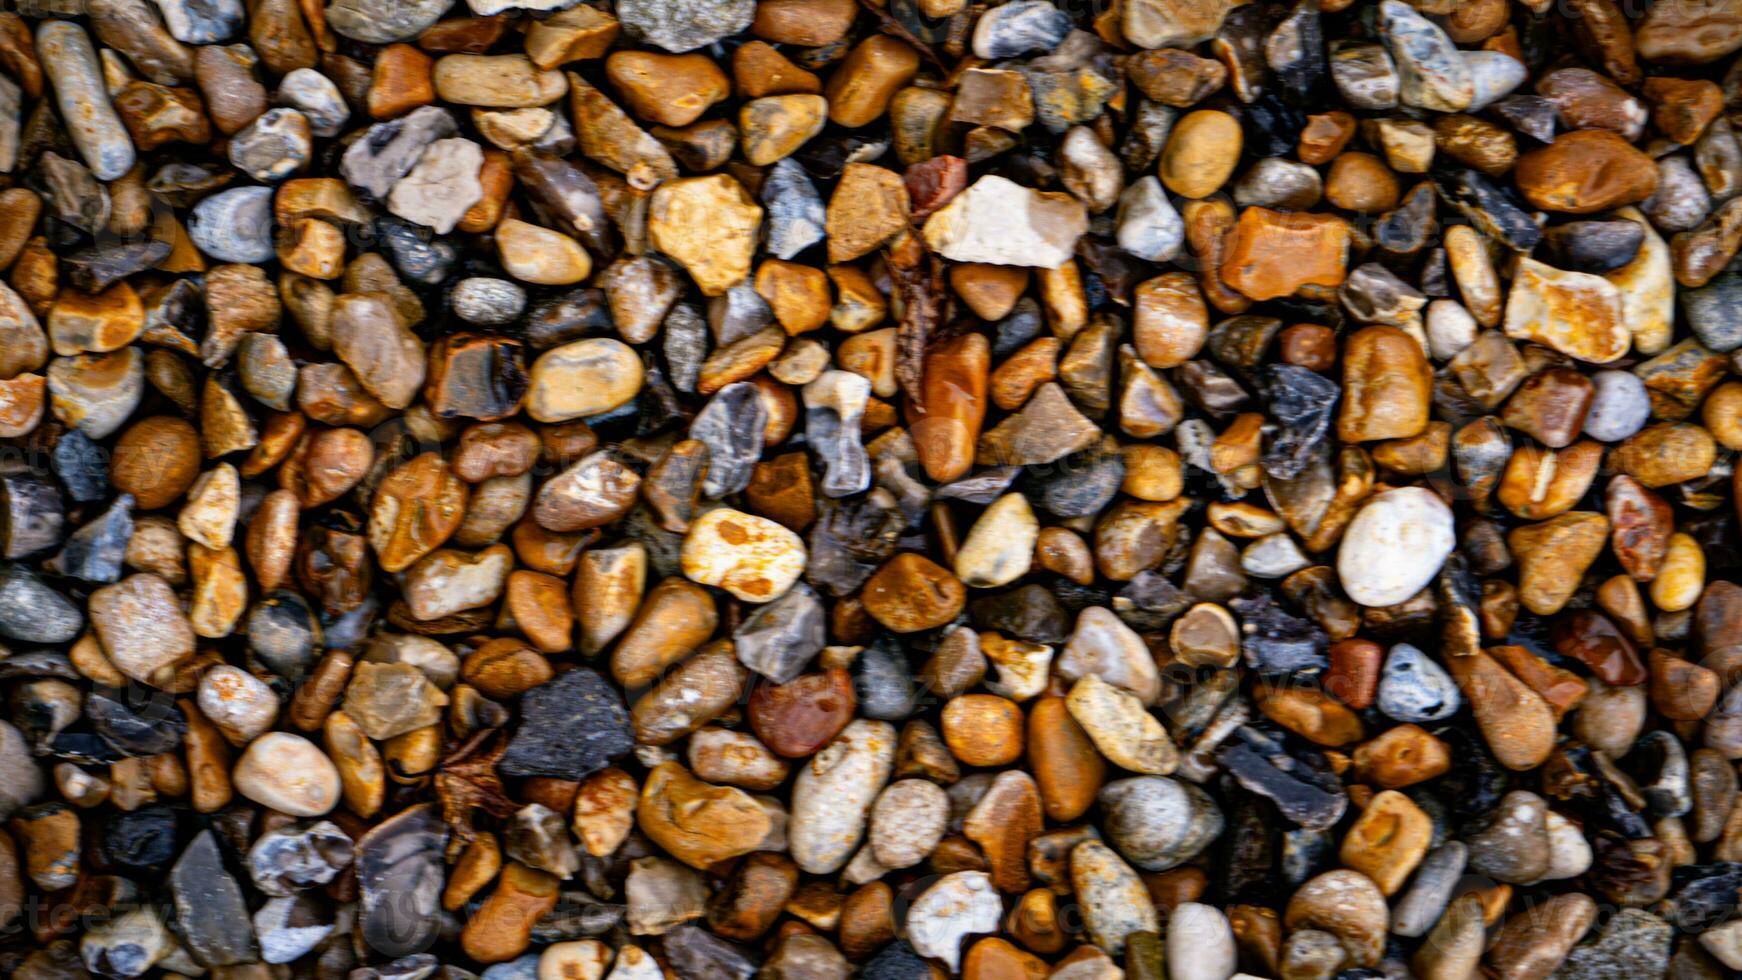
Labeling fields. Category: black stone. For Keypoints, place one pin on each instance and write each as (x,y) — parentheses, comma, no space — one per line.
(399,871)
(136,722)
(1493,208)
(826,156)
(1030,613)
(141,842)
(569,316)
(1272,126)
(1595,247)
(1410,227)
(415,251)
(694,953)
(1022,324)
(1704,895)
(570,727)
(95,552)
(852,537)
(1078,485)
(897,961)
(1475,782)
(1276,642)
(1300,783)
(85,748)
(285,633)
(1248,845)
(94,269)
(82,466)
(657,406)
(210,912)
(1302,403)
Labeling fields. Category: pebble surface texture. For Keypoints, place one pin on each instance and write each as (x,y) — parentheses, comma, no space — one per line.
(901,489)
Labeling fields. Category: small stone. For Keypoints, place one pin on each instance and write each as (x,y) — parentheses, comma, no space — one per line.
(955,906)
(1407,532)
(289,774)
(570,727)
(684,26)
(911,593)
(1413,688)
(141,624)
(833,794)
(907,821)
(751,557)
(389,150)
(1115,902)
(234,225)
(583,378)
(441,187)
(708,225)
(698,823)
(1000,222)
(782,637)
(1272,254)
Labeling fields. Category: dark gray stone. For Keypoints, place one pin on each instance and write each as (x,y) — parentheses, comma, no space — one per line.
(570,727)
(32,518)
(82,466)
(795,213)
(95,552)
(782,636)
(731,425)
(1714,311)
(210,912)
(400,871)
(32,612)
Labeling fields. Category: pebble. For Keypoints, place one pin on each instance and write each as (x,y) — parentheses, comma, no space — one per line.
(833,795)
(1020,28)
(1633,943)
(289,774)
(1121,728)
(571,727)
(1158,823)
(1200,943)
(751,557)
(1414,688)
(1114,901)
(907,821)
(1148,225)
(441,187)
(77,78)
(1000,222)
(686,24)
(234,225)
(954,907)
(1395,546)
